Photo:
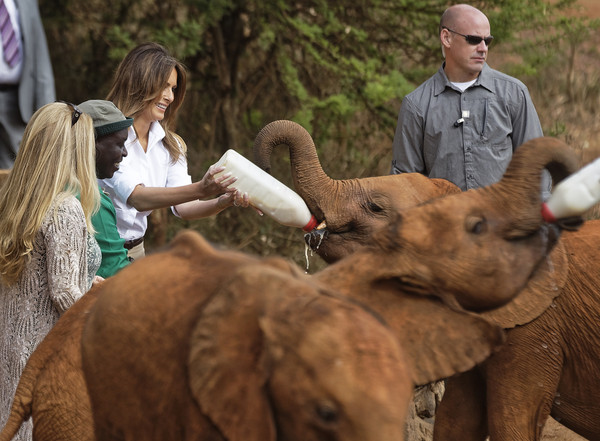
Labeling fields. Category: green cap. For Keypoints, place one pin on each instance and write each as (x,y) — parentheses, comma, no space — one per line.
(107,118)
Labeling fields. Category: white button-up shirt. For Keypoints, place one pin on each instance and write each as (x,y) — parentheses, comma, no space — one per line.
(153,168)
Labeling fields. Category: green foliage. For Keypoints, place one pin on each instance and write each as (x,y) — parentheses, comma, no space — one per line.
(340,69)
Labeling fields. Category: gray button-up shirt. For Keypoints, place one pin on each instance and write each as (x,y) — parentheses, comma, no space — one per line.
(465,137)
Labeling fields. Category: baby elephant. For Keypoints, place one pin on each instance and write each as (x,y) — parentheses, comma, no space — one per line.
(199,344)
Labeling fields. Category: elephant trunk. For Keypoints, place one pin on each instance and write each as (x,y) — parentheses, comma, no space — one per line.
(523,184)
(310,181)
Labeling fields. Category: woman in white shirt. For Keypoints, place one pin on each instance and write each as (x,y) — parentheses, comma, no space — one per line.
(149,86)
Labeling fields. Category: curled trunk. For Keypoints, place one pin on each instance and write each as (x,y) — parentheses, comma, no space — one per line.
(310,181)
(520,189)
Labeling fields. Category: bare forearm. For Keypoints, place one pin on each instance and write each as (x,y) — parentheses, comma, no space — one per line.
(199,209)
(151,198)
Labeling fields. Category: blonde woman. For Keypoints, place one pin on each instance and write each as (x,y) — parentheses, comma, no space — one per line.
(48,256)
(149,86)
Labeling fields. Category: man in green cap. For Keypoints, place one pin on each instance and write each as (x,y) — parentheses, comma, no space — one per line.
(111,132)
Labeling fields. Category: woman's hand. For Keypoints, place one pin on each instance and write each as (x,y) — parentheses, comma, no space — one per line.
(243,200)
(234,198)
(212,185)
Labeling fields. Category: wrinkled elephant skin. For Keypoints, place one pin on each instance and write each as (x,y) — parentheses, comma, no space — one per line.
(549,365)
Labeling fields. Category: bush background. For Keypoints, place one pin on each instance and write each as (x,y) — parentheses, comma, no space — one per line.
(338,68)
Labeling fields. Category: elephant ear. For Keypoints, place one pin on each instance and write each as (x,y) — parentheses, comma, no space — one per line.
(439,341)
(227,372)
(188,244)
(538,294)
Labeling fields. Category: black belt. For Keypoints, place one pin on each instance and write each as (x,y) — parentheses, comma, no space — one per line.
(129,244)
(5,87)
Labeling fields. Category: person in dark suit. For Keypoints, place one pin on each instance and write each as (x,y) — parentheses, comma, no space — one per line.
(27,82)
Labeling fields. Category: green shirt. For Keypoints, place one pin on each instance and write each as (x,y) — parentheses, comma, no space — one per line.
(114,254)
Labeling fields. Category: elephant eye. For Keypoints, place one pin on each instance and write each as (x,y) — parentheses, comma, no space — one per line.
(475,224)
(374,207)
(327,413)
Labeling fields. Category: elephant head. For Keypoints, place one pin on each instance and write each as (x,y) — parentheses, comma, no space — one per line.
(309,364)
(479,248)
(352,208)
(222,346)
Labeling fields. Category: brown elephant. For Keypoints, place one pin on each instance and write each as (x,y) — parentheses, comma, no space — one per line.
(549,364)
(468,249)
(195,343)
(248,328)
(352,208)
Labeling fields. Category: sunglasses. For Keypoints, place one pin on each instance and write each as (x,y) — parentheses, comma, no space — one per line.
(473,40)
(76,112)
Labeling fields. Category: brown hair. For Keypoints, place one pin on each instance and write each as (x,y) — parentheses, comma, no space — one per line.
(140,79)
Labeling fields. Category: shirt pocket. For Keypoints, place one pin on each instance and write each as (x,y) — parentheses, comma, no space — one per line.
(491,121)
(492,160)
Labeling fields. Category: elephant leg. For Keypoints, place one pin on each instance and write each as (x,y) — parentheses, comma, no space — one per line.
(63,413)
(461,416)
(522,379)
(61,405)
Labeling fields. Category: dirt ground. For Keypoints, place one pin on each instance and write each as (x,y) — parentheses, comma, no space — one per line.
(556,432)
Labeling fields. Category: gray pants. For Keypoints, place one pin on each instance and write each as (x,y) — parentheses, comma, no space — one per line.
(11,126)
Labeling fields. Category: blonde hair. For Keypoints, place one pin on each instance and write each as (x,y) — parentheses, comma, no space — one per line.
(139,81)
(56,159)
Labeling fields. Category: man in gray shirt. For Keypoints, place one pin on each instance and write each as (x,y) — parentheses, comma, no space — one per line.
(464,123)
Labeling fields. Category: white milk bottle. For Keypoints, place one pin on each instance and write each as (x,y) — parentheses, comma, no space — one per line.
(574,195)
(266,193)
